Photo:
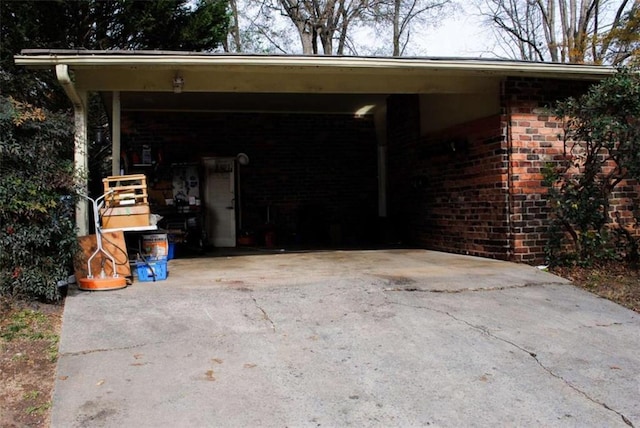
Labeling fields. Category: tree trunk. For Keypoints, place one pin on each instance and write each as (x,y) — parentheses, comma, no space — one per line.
(396,27)
(549,23)
(326,38)
(306,38)
(234,28)
(342,40)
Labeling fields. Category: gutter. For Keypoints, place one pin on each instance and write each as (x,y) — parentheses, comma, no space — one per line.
(38,58)
(62,73)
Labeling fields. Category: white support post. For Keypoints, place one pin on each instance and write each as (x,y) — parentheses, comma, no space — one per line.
(81,148)
(81,163)
(115,134)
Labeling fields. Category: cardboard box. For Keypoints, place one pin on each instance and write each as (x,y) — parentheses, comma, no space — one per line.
(122,217)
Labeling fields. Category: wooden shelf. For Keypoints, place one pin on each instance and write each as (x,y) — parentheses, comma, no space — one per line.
(125,190)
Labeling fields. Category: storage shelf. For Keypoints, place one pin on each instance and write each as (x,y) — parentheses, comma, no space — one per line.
(131,229)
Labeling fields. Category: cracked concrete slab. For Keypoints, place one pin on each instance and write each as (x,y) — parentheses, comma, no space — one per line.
(367,338)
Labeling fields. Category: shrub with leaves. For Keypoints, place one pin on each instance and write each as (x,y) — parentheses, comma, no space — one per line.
(37,196)
(602,146)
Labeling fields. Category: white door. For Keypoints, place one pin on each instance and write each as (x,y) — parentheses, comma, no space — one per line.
(220,201)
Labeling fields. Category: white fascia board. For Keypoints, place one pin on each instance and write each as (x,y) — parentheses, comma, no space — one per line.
(503,68)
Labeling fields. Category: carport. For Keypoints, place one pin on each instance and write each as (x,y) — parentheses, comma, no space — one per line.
(341,150)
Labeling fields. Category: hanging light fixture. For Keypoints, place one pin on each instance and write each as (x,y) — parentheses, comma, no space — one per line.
(178,84)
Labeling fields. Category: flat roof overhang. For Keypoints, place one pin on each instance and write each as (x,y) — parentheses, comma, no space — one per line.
(285,83)
(133,80)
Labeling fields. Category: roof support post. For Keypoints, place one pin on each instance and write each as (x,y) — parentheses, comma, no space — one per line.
(81,153)
(115,133)
(380,123)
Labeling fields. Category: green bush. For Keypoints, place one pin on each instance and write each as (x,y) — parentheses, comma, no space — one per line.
(602,145)
(37,196)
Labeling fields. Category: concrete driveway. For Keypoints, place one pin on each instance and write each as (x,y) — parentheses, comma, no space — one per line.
(362,338)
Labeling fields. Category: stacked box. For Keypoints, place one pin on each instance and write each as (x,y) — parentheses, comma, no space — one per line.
(122,217)
(126,202)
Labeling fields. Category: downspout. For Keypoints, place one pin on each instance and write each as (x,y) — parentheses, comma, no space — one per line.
(80,156)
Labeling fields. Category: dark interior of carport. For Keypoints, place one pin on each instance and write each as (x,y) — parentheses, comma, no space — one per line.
(314,178)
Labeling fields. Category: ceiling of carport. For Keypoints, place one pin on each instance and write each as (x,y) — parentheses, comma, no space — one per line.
(221,82)
(246,102)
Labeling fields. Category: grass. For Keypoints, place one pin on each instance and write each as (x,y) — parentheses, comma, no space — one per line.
(39,410)
(29,335)
(31,325)
(25,324)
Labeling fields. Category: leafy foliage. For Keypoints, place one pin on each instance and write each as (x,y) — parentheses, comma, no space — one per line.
(624,39)
(99,24)
(37,232)
(602,140)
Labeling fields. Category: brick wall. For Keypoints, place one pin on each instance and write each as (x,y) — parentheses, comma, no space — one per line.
(486,198)
(448,189)
(403,133)
(317,174)
(535,138)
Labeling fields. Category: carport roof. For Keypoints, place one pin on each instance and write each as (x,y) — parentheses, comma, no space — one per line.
(157,58)
(238,82)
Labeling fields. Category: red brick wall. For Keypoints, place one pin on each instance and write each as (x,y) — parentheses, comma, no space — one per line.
(486,198)
(317,173)
(448,189)
(535,139)
(403,133)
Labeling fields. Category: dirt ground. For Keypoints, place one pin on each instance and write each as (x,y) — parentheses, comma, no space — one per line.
(614,281)
(29,335)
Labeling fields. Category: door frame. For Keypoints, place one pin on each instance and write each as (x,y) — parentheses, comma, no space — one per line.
(208,165)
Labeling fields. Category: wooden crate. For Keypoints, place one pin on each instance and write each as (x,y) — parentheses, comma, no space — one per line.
(125,190)
(126,216)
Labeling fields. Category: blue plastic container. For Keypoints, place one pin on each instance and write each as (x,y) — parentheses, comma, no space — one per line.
(152,270)
(172,250)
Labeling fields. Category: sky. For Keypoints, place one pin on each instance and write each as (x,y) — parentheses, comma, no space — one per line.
(461,35)
(464,34)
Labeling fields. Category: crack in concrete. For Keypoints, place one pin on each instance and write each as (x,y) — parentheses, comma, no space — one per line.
(95,351)
(265,315)
(604,325)
(464,290)
(533,355)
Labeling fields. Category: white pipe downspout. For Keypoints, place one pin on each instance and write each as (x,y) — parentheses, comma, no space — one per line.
(81,155)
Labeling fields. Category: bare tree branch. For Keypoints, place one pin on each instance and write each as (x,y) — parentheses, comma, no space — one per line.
(574,31)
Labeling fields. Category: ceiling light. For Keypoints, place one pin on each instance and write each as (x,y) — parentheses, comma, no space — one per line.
(364,110)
